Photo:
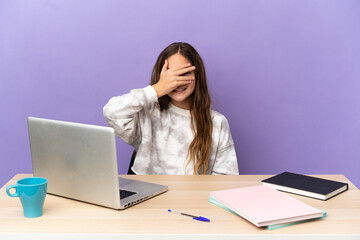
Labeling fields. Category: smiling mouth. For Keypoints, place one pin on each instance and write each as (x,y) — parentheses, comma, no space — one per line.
(180,89)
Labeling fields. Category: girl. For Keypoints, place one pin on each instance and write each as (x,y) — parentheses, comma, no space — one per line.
(170,123)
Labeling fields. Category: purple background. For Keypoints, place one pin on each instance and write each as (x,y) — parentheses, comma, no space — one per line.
(284,73)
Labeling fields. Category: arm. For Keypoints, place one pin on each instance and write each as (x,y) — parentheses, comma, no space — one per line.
(226,160)
(122,113)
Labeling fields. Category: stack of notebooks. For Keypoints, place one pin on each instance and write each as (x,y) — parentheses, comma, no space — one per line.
(264,206)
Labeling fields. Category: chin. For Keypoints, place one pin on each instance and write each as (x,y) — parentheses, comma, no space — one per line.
(177,98)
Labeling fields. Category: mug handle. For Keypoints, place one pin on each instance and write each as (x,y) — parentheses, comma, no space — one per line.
(16,194)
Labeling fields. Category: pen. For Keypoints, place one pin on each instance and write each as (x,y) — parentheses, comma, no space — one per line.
(199,218)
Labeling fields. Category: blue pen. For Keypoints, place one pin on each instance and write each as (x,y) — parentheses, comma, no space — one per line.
(199,218)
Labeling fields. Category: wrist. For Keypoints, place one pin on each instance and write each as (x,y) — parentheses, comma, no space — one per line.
(158,89)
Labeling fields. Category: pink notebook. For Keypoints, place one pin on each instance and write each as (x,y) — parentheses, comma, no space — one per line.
(264,206)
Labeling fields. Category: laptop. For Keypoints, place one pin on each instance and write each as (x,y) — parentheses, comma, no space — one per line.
(79,161)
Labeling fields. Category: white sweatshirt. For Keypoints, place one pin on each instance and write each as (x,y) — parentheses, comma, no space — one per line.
(162,138)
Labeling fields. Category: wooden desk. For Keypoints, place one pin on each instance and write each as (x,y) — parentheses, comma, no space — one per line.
(68,219)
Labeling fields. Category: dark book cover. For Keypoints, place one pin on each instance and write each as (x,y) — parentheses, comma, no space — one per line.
(306,183)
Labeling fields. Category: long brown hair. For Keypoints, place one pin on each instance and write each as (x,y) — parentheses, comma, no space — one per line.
(200,104)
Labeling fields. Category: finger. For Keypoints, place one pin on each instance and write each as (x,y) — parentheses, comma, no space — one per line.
(184,70)
(183,83)
(165,66)
(185,78)
(181,67)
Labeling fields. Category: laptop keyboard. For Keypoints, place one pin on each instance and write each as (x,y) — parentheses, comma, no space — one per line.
(126,193)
